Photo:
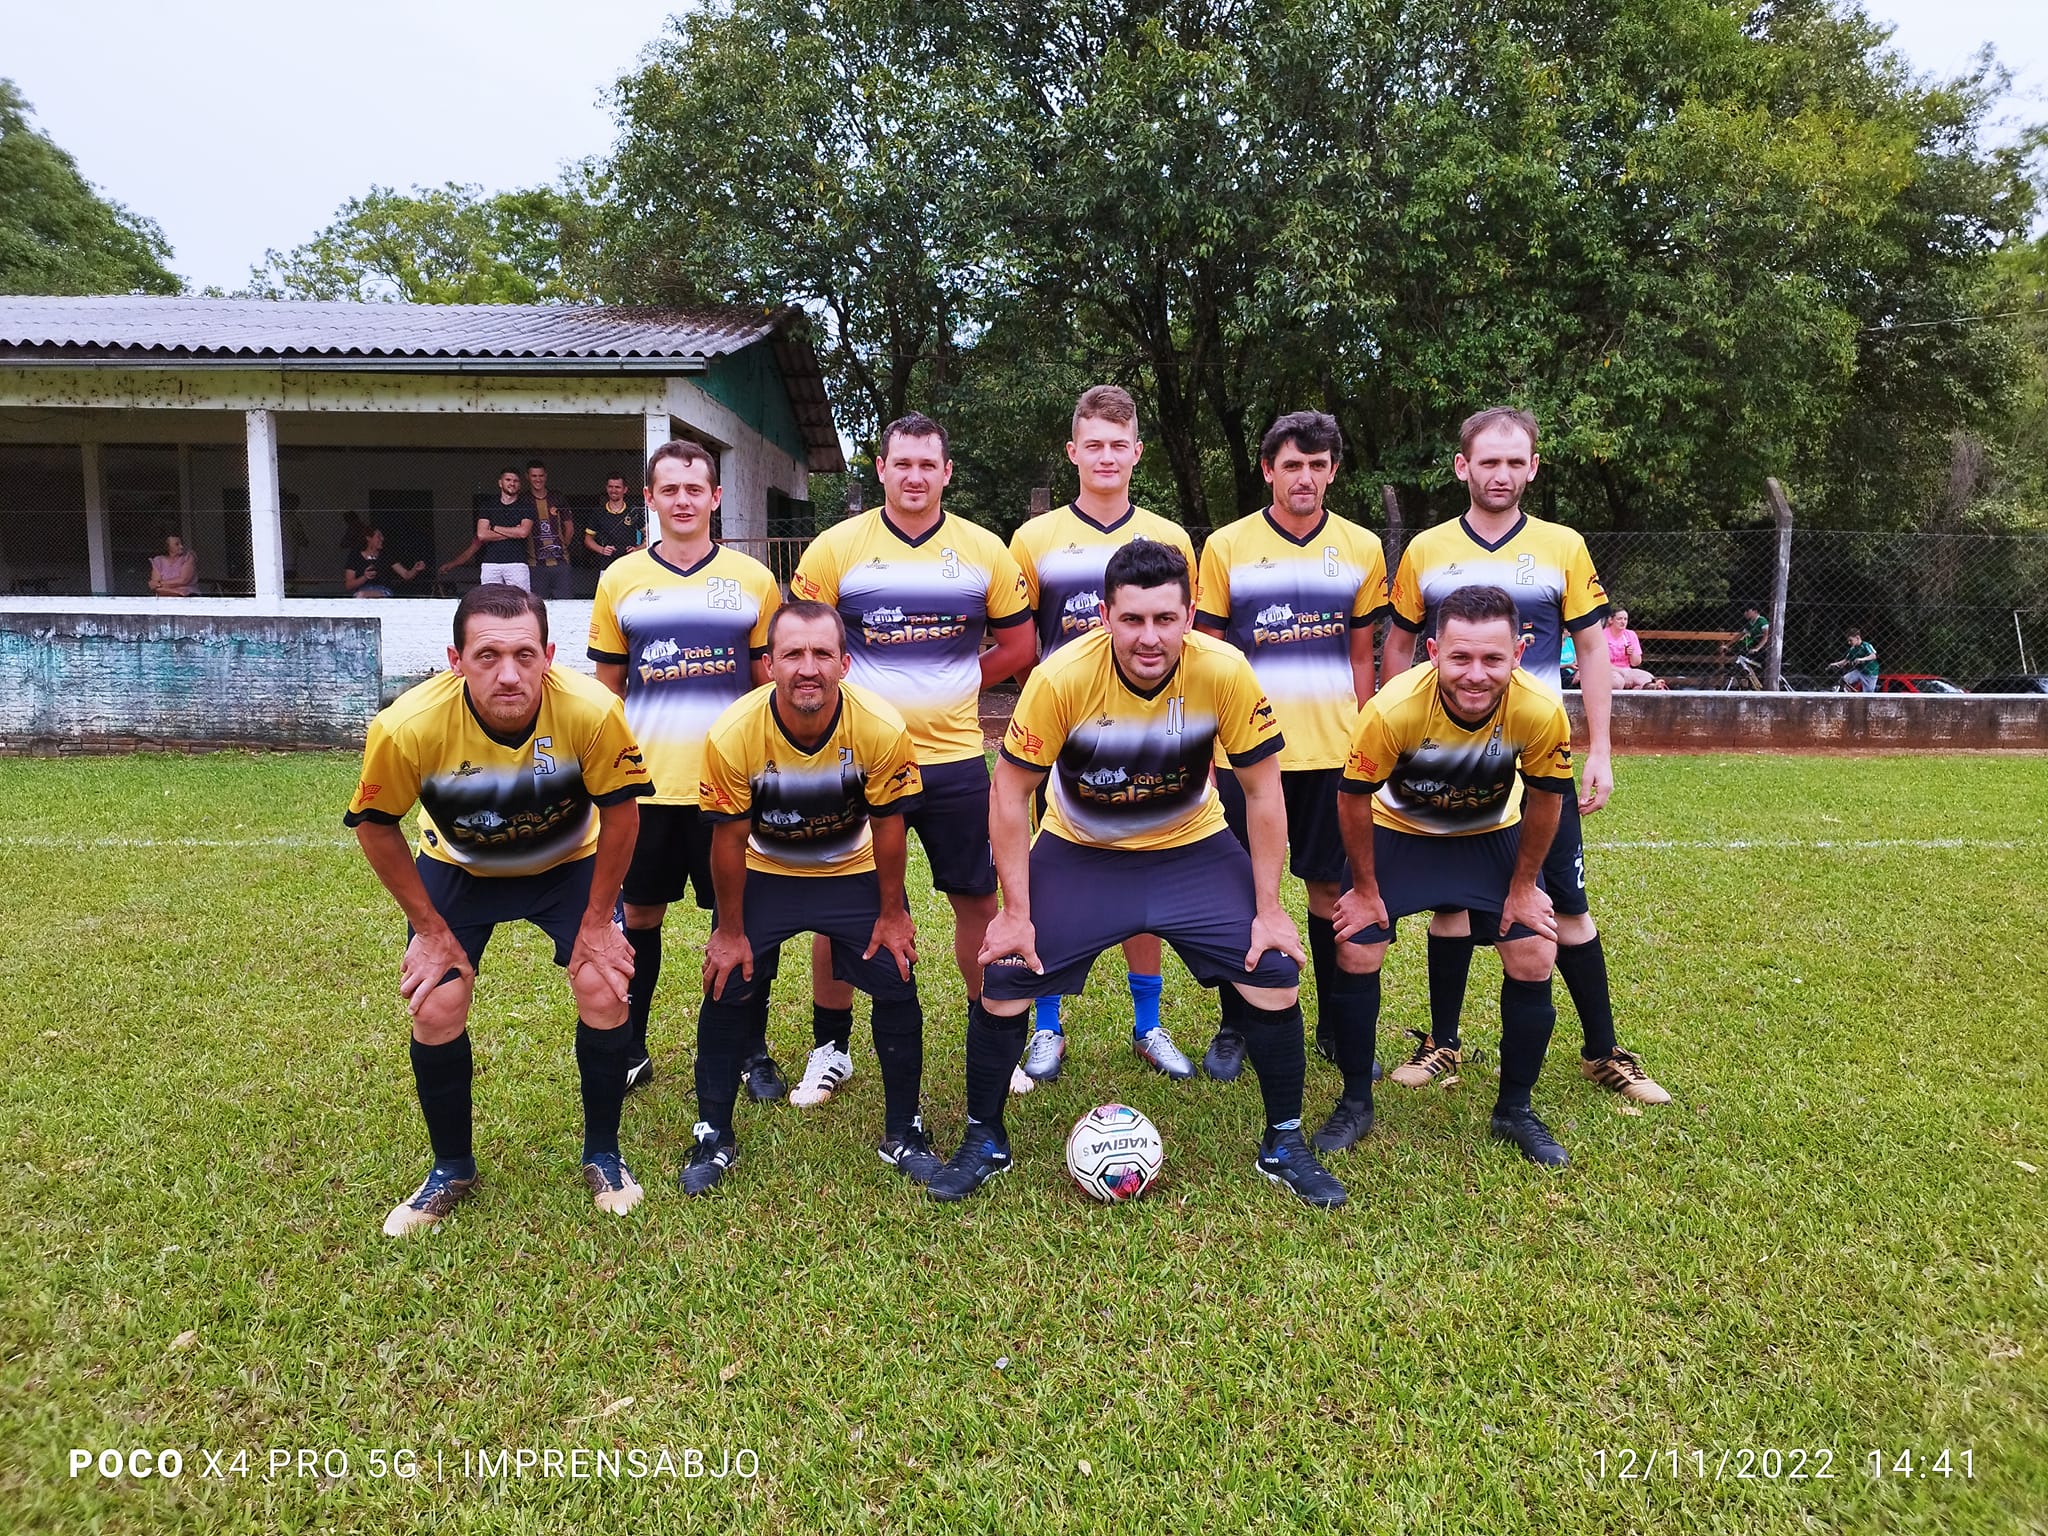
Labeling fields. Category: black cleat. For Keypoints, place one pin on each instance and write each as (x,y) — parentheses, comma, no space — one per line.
(1530,1136)
(639,1072)
(1284,1158)
(708,1160)
(1349,1123)
(981,1157)
(763,1080)
(1225,1058)
(911,1154)
(1326,1045)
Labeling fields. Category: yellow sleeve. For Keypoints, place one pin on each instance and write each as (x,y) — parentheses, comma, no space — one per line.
(1038,727)
(607,640)
(1007,595)
(1585,600)
(893,782)
(1179,540)
(613,769)
(1546,760)
(390,780)
(770,594)
(817,574)
(1404,593)
(1371,601)
(1027,566)
(1246,725)
(724,790)
(1213,583)
(1374,751)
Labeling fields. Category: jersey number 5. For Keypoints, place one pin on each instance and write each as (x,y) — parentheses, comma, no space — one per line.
(542,761)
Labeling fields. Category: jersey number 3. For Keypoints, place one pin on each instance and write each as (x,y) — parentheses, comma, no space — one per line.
(725,593)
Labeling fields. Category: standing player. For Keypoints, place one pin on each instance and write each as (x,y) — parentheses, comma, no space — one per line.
(501,532)
(679,631)
(1444,752)
(528,781)
(918,589)
(808,781)
(1127,723)
(1547,570)
(1062,554)
(617,528)
(1299,592)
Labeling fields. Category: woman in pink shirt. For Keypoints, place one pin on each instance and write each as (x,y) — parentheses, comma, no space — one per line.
(175,572)
(1625,652)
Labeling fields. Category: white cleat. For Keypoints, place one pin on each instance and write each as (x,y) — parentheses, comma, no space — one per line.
(824,1075)
(611,1184)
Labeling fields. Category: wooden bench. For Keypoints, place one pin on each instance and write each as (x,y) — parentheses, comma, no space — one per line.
(1680,651)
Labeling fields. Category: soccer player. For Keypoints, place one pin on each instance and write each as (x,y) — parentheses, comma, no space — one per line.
(528,783)
(918,589)
(617,528)
(1062,554)
(1299,591)
(1126,722)
(1546,568)
(808,781)
(679,631)
(1444,752)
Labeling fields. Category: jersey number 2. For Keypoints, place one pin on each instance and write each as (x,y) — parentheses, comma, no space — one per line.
(1525,570)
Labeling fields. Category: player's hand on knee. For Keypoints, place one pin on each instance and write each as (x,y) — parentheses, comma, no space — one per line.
(429,960)
(1274,930)
(602,955)
(1530,906)
(1358,909)
(895,932)
(1011,938)
(724,954)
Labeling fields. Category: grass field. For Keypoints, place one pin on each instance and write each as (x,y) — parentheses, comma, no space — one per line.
(1831,1245)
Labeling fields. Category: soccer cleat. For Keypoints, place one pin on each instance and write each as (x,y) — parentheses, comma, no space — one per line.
(1530,1136)
(1156,1049)
(1326,1045)
(708,1160)
(763,1079)
(980,1158)
(1225,1059)
(1020,1083)
(1429,1063)
(442,1190)
(1620,1071)
(1349,1123)
(1044,1055)
(1284,1158)
(611,1184)
(824,1075)
(911,1153)
(639,1072)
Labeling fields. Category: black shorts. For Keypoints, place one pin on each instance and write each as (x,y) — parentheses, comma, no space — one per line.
(1315,848)
(473,905)
(841,907)
(1198,898)
(1443,874)
(951,820)
(672,853)
(1564,867)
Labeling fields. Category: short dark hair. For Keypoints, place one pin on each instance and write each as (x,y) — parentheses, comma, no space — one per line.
(532,464)
(509,470)
(1477,605)
(688,453)
(622,479)
(1495,416)
(809,613)
(1146,563)
(497,600)
(916,424)
(1310,431)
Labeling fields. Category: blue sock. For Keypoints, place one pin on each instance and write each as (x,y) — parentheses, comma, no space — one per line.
(1144,1004)
(1048,1014)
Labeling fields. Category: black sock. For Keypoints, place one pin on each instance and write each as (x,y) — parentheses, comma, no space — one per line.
(1353,1015)
(1584,969)
(993,1046)
(1272,1042)
(1450,965)
(757,1023)
(601,1056)
(1526,1018)
(1322,954)
(722,1030)
(442,1073)
(899,1052)
(646,946)
(1229,1009)
(832,1026)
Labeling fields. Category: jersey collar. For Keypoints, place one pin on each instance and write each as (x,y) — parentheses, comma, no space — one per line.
(514,741)
(906,538)
(1130,511)
(1148,694)
(838,709)
(1306,539)
(1521,522)
(683,570)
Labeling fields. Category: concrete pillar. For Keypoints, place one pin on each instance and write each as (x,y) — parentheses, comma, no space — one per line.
(266,510)
(660,430)
(99,539)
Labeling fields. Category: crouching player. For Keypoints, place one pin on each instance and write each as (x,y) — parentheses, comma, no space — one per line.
(807,782)
(1444,752)
(527,780)
(1125,721)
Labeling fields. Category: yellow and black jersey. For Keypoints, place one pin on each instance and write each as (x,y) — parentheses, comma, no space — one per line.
(916,611)
(1431,773)
(809,807)
(1063,554)
(687,638)
(1130,767)
(1290,605)
(490,804)
(1545,567)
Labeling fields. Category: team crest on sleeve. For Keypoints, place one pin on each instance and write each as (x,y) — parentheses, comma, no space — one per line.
(902,776)
(1028,742)
(630,756)
(715,797)
(805,588)
(1561,755)
(367,791)
(1262,715)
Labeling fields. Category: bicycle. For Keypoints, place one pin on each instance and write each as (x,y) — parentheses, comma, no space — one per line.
(1743,675)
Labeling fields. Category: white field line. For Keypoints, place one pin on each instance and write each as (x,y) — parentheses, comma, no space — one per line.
(1648,845)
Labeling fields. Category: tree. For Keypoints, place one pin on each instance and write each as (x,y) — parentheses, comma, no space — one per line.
(446,245)
(57,235)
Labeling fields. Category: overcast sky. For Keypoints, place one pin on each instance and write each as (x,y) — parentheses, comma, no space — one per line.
(240,126)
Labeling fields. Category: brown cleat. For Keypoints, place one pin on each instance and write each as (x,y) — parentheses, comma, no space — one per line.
(1621,1073)
(434,1199)
(1430,1063)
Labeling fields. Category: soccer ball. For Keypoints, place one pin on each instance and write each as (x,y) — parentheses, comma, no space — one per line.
(1114,1152)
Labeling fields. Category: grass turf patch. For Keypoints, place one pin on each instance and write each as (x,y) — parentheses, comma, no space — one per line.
(1827,1245)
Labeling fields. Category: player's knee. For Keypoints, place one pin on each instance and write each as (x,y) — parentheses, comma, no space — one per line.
(1270,998)
(645,917)
(974,909)
(596,1004)
(1576,928)
(1528,959)
(444,1015)
(1360,959)
(1006,1007)
(1322,897)
(1450,925)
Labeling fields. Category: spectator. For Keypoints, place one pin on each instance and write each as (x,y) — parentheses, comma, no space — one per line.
(502,533)
(369,574)
(1858,665)
(553,533)
(616,529)
(1625,654)
(175,572)
(1568,661)
(1755,639)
